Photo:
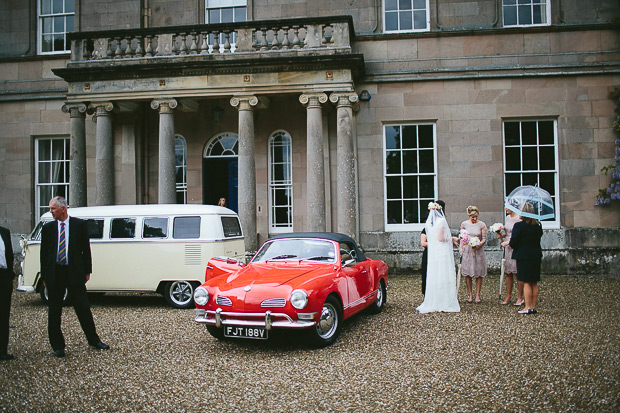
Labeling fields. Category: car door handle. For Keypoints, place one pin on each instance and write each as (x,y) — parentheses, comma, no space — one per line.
(364,271)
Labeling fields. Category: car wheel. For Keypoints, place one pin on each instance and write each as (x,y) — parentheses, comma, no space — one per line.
(216,332)
(180,294)
(327,329)
(45,296)
(381,299)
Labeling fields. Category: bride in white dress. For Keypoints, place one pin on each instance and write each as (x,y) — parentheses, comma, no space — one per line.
(441,278)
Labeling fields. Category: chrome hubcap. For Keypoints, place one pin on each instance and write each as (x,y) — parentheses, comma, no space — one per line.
(328,322)
(181,292)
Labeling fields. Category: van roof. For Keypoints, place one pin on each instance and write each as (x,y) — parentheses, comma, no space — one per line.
(145,210)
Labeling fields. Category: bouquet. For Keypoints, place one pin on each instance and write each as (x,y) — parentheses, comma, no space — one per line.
(433,205)
(497,228)
(474,242)
(464,238)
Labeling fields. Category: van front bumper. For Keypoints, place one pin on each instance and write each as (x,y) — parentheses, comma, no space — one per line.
(268,320)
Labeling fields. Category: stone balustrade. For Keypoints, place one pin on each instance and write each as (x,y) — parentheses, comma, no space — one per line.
(316,35)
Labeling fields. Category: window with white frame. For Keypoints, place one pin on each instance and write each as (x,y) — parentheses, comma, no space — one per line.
(56,19)
(526,12)
(180,151)
(410,173)
(406,16)
(280,183)
(225,11)
(531,158)
(51,171)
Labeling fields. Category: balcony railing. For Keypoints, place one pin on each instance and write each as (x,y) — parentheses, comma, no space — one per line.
(322,35)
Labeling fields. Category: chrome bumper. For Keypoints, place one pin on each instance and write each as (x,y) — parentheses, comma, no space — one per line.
(268,320)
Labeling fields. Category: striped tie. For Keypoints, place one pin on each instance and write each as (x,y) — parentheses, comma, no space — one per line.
(62,246)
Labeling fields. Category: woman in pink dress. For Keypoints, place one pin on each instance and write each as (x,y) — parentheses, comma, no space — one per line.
(510,267)
(474,263)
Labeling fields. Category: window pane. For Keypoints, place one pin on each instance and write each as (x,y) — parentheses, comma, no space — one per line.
(511,133)
(547,182)
(547,158)
(155,228)
(393,188)
(281,217)
(392,162)
(391,5)
(406,20)
(530,159)
(47,25)
(410,140)
(513,159)
(425,136)
(46,6)
(525,16)
(214,16)
(231,227)
(186,228)
(394,212)
(410,162)
(419,4)
(69,6)
(404,4)
(95,228)
(530,179)
(427,187)
(419,18)
(59,24)
(538,12)
(57,6)
(512,181)
(545,133)
(411,212)
(123,228)
(391,21)
(427,163)
(410,187)
(58,149)
(44,176)
(240,14)
(392,137)
(227,15)
(70,24)
(282,196)
(44,150)
(59,42)
(510,16)
(528,133)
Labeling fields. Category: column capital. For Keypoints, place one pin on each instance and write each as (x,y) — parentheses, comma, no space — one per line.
(313,100)
(75,110)
(164,105)
(101,107)
(344,98)
(244,102)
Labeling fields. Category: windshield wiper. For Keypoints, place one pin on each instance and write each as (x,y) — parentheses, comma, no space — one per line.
(317,258)
(282,257)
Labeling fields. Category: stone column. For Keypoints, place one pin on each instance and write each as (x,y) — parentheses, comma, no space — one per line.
(247,169)
(167,192)
(104,153)
(77,172)
(345,155)
(315,172)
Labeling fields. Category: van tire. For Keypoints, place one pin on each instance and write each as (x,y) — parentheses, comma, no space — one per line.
(180,294)
(44,296)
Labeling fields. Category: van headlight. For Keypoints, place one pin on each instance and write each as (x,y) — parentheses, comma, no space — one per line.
(201,296)
(299,299)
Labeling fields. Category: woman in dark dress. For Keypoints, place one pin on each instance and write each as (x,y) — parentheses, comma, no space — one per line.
(525,242)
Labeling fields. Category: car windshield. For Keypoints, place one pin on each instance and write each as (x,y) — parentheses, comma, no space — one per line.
(297,249)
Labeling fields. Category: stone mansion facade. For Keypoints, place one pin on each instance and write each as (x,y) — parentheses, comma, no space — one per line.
(317,115)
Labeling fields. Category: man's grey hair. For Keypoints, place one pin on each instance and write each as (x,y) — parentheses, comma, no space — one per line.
(60,201)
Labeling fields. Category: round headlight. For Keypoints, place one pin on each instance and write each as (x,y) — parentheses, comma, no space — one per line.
(201,296)
(299,299)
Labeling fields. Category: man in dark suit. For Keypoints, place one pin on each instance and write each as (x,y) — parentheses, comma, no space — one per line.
(6,290)
(66,263)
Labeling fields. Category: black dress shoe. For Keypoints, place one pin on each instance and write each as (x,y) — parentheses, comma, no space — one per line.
(59,353)
(100,346)
(6,357)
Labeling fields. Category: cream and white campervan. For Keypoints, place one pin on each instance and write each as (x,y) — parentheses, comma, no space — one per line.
(146,248)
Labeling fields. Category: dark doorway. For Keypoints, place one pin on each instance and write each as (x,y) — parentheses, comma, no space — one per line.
(220,179)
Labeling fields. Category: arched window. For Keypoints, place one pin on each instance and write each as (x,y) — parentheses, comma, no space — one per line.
(226,144)
(280,183)
(180,150)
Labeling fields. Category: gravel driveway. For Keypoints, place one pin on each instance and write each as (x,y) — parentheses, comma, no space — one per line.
(485,358)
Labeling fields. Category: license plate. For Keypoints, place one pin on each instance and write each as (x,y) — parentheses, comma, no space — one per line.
(259,333)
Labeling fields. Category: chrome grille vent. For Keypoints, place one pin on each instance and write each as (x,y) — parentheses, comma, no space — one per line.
(223,301)
(273,303)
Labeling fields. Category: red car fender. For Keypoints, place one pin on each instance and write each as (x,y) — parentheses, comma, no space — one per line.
(221,266)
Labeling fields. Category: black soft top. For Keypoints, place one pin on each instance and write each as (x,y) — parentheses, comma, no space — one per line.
(332,236)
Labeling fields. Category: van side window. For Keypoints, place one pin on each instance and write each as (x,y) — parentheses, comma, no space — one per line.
(186,227)
(231,227)
(155,228)
(123,228)
(95,228)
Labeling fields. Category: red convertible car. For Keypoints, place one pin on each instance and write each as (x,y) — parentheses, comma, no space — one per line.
(305,281)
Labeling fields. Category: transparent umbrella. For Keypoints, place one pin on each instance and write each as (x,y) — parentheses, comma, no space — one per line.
(531,202)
